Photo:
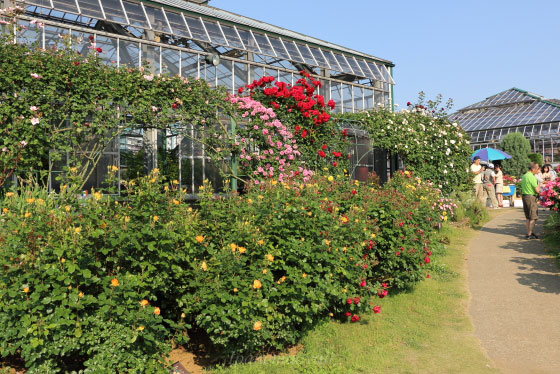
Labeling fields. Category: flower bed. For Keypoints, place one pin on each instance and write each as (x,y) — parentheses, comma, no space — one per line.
(550,193)
(116,281)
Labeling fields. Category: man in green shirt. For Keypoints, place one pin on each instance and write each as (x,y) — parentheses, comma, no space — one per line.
(529,193)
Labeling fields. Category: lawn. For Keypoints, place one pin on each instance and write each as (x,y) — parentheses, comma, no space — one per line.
(425,330)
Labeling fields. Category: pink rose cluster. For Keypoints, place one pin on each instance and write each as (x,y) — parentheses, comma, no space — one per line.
(550,195)
(267,147)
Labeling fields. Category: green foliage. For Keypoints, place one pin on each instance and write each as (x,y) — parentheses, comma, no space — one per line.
(431,146)
(518,147)
(470,209)
(105,284)
(57,103)
(536,158)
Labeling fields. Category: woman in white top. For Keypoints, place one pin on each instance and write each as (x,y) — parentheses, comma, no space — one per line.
(499,184)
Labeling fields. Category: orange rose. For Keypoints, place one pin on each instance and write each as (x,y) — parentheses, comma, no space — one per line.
(115,282)
(257,284)
(144,302)
(257,326)
(157,311)
(199,238)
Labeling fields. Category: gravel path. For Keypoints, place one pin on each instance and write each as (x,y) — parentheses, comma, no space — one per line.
(515,296)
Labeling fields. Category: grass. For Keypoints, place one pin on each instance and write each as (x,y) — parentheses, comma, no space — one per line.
(424,330)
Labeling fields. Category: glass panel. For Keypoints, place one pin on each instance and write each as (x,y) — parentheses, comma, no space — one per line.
(189,64)
(354,66)
(197,30)
(375,71)
(208,73)
(319,57)
(135,15)
(347,104)
(66,6)
(306,54)
(41,3)
(342,62)
(30,34)
(285,77)
(336,96)
(256,73)
(263,43)
(177,24)
(53,37)
(109,47)
(157,19)
(378,96)
(231,36)
(387,100)
(90,8)
(128,53)
(332,60)
(279,47)
(292,50)
(368,99)
(365,68)
(150,58)
(214,32)
(113,11)
(248,40)
(170,61)
(80,42)
(241,75)
(225,75)
(358,99)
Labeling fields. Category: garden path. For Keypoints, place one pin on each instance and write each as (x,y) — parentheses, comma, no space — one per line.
(515,296)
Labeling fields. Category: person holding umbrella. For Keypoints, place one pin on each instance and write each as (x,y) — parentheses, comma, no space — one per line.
(476,171)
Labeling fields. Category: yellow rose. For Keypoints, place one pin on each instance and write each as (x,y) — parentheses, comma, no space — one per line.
(97,195)
(264,271)
(260,242)
(242,249)
(144,302)
(257,284)
(63,260)
(80,294)
(127,219)
(257,326)
(114,168)
(269,257)
(204,266)
(115,282)
(304,275)
(330,178)
(67,208)
(175,181)
(77,230)
(26,289)
(233,247)
(140,328)
(5,210)
(9,194)
(183,315)
(235,290)
(156,218)
(199,238)
(30,200)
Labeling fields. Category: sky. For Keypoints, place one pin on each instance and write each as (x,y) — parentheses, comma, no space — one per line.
(466,50)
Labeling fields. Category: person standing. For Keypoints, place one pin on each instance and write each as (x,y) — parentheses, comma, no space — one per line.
(529,194)
(488,183)
(476,171)
(499,175)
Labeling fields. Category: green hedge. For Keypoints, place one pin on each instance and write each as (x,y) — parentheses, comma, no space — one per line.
(107,285)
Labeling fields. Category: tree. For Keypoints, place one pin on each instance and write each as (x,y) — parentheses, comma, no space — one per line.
(518,147)
(536,157)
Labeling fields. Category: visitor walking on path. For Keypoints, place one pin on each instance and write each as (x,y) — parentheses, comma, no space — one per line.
(530,191)
(488,180)
(499,175)
(476,170)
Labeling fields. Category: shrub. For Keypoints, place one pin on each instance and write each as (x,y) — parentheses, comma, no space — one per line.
(518,147)
(536,158)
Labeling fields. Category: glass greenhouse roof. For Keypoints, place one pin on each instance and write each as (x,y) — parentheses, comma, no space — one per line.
(226,29)
(511,108)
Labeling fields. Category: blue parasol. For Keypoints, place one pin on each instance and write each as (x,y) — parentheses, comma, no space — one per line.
(490,154)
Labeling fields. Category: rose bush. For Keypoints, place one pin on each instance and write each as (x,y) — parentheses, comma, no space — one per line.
(550,194)
(118,280)
(431,146)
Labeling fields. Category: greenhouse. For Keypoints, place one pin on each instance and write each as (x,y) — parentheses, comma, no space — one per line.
(514,110)
(192,39)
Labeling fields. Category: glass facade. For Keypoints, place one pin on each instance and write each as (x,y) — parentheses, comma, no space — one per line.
(513,110)
(175,42)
